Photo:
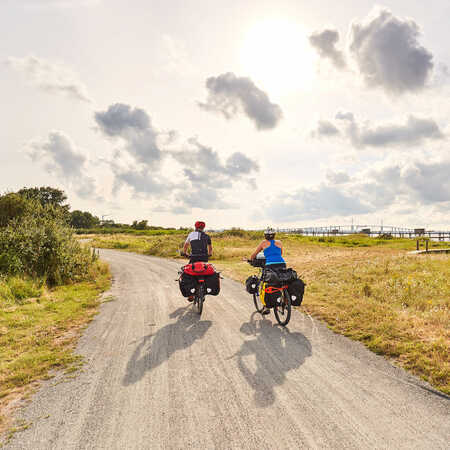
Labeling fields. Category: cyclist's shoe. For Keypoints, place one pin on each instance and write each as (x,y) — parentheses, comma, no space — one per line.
(191,298)
(265,311)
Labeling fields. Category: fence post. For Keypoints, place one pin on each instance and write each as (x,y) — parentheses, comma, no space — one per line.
(417,244)
(426,245)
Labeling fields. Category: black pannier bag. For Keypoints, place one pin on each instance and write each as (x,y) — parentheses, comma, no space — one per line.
(212,283)
(271,277)
(296,290)
(287,275)
(251,284)
(259,262)
(271,295)
(187,283)
(279,276)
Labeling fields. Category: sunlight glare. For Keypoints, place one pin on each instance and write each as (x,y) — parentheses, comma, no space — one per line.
(277,56)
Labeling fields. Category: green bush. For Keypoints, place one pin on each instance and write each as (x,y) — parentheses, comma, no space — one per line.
(40,244)
(240,233)
(12,206)
(15,289)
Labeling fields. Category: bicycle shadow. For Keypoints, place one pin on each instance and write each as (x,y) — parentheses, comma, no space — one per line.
(276,351)
(154,349)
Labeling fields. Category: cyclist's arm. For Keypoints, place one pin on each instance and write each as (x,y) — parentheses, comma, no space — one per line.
(258,249)
(186,246)
(209,249)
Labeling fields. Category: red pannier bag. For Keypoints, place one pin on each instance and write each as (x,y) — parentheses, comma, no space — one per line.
(199,269)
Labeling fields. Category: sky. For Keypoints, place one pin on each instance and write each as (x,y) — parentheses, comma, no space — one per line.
(240,113)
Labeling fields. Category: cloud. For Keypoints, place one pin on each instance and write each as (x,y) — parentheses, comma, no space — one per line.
(61,152)
(416,183)
(120,118)
(320,202)
(325,129)
(134,126)
(50,77)
(427,182)
(207,178)
(142,181)
(61,157)
(413,132)
(203,176)
(388,53)
(230,95)
(345,116)
(337,177)
(202,165)
(324,42)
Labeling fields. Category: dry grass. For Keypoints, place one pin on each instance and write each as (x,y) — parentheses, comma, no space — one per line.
(367,289)
(38,334)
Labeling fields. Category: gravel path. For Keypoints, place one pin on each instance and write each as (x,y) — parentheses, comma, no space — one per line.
(159,377)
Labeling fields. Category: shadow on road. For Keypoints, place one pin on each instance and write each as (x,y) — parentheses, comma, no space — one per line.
(276,350)
(156,348)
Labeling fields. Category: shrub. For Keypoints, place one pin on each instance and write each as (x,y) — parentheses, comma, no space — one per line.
(15,289)
(40,244)
(12,206)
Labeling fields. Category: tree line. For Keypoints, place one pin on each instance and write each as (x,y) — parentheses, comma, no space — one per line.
(17,204)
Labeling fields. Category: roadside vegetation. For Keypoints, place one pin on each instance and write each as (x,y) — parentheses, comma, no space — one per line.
(49,289)
(129,231)
(368,289)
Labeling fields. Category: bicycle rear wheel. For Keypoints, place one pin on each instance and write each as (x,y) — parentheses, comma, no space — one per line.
(283,310)
(200,298)
(257,300)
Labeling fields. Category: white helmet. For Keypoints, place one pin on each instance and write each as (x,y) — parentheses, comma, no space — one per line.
(269,233)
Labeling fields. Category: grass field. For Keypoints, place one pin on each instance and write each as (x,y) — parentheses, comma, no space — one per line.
(368,289)
(39,328)
(130,231)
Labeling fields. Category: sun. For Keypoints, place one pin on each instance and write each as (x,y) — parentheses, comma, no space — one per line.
(276,55)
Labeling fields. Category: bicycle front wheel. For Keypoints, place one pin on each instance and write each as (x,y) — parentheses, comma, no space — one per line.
(283,310)
(257,301)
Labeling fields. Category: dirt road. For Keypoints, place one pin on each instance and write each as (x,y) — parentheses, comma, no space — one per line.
(158,376)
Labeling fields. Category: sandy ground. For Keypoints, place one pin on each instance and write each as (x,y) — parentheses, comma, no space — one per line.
(157,376)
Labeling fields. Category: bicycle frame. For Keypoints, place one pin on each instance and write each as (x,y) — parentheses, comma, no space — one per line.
(284,305)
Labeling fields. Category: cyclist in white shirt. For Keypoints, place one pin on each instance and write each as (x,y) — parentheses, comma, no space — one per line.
(200,242)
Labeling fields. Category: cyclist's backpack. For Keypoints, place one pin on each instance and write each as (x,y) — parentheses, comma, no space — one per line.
(296,290)
(212,283)
(251,284)
(188,284)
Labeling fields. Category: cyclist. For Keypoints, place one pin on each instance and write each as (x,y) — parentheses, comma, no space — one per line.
(273,250)
(201,247)
(200,243)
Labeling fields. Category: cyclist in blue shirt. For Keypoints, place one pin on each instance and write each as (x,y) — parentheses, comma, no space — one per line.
(273,251)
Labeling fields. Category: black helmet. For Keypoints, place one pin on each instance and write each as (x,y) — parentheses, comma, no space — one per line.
(269,233)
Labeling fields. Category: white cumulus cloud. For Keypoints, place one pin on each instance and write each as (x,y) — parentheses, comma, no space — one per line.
(388,53)
(50,77)
(229,95)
